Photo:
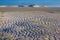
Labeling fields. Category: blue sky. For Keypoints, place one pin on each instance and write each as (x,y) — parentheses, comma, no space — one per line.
(28,2)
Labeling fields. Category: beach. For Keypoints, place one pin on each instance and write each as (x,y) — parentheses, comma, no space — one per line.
(29,8)
(30,23)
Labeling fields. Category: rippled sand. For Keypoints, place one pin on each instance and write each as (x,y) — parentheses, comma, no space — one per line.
(30,25)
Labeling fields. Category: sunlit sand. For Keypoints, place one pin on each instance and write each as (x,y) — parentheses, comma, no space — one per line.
(29,23)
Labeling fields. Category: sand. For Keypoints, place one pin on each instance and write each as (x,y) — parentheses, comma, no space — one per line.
(30,9)
(43,21)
